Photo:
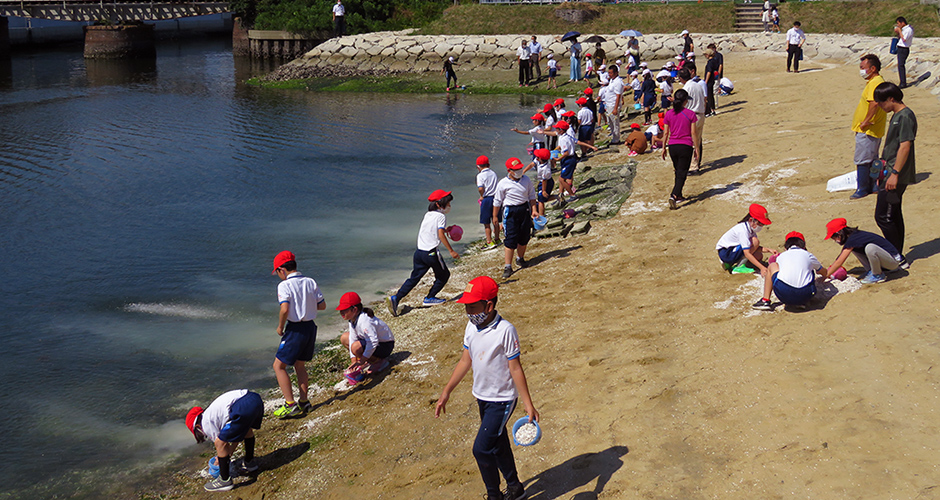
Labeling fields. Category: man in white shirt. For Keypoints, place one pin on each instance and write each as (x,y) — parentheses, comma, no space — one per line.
(905,35)
(765,19)
(795,40)
(339,19)
(535,57)
(523,55)
(613,100)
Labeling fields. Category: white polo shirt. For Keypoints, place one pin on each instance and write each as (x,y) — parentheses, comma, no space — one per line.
(216,414)
(696,101)
(427,235)
(566,143)
(339,10)
(543,170)
(585,116)
(491,349)
(537,134)
(907,36)
(523,53)
(795,36)
(510,193)
(369,331)
(487,180)
(302,294)
(614,89)
(740,234)
(797,267)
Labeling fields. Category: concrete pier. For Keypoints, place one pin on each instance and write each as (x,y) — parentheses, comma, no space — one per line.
(4,38)
(115,42)
(240,43)
(280,44)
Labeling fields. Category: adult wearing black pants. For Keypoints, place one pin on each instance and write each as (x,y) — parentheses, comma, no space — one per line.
(339,19)
(680,137)
(898,155)
(523,54)
(711,73)
(795,40)
(905,34)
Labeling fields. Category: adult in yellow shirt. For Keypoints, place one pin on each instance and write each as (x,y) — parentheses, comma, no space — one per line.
(868,123)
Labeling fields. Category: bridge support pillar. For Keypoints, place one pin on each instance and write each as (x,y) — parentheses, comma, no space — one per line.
(240,43)
(4,38)
(117,42)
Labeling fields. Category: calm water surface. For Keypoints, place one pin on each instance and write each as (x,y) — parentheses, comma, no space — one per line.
(141,205)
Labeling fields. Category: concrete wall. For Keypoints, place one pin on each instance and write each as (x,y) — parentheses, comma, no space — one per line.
(25,31)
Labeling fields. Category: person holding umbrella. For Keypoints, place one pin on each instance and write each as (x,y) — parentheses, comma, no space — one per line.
(575,50)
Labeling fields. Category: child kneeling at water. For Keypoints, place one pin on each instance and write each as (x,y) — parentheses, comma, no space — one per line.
(876,254)
(791,276)
(740,246)
(369,339)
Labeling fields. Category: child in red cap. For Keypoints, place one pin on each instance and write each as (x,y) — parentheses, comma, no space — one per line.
(369,339)
(300,298)
(739,249)
(537,132)
(585,124)
(427,256)
(876,254)
(636,141)
(543,171)
(515,198)
(486,185)
(229,420)
(491,349)
(791,275)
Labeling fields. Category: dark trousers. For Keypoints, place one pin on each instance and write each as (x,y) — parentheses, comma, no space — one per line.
(424,260)
(903,52)
(491,447)
(451,74)
(888,215)
(534,63)
(339,26)
(710,98)
(793,56)
(525,72)
(681,155)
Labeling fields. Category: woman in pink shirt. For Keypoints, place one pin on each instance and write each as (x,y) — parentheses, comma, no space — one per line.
(680,137)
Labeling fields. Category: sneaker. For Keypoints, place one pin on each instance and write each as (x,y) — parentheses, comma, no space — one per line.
(858,195)
(218,484)
(516,492)
(763,305)
(305,406)
(291,411)
(381,366)
(672,203)
(902,262)
(433,301)
(392,303)
(507,271)
(871,279)
(572,198)
(521,262)
(633,153)
(244,467)
(354,376)
(743,269)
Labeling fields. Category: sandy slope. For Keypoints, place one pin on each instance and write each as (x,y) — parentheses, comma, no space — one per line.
(654,377)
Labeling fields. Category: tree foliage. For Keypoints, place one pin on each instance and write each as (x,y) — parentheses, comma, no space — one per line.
(308,16)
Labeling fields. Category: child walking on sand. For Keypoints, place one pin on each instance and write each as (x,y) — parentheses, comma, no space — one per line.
(486,185)
(369,339)
(427,256)
(791,277)
(300,299)
(491,349)
(876,254)
(740,246)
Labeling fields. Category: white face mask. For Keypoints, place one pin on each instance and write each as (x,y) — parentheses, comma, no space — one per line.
(515,175)
(862,73)
(446,209)
(757,228)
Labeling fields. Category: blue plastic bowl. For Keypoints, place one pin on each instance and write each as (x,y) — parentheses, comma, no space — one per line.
(539,222)
(519,423)
(213,467)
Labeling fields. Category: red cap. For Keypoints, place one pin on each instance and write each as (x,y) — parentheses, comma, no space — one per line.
(438,194)
(794,234)
(542,154)
(588,91)
(191,419)
(581,101)
(479,288)
(587,55)
(514,164)
(538,117)
(282,258)
(567,114)
(563,125)
(760,213)
(559,102)
(834,226)
(482,160)
(547,108)
(348,300)
(635,125)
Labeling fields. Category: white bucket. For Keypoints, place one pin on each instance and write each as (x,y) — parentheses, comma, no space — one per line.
(845,182)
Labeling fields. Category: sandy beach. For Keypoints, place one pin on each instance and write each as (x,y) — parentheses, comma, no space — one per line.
(653,376)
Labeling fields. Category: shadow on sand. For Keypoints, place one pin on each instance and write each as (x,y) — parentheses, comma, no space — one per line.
(575,472)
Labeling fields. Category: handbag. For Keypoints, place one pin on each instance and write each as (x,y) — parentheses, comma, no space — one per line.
(894,45)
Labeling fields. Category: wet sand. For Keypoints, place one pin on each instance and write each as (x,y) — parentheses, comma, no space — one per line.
(654,377)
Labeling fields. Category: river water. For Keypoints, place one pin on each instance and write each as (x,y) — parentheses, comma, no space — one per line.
(141,204)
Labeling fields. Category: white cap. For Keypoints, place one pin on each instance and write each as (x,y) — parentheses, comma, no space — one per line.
(551,56)
(678,58)
(618,62)
(634,73)
(670,64)
(603,66)
(451,58)
(647,72)
(684,32)
(643,65)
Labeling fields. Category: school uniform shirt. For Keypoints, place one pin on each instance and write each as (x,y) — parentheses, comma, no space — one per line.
(653,129)
(589,64)
(491,348)
(543,171)
(696,102)
(614,90)
(726,82)
(552,64)
(428,238)
(795,36)
(903,128)
(797,267)
(740,234)
(666,87)
(510,193)
(858,240)
(585,116)
(566,143)
(216,414)
(636,84)
(603,78)
(301,294)
(601,95)
(369,331)
(549,122)
(538,135)
(487,180)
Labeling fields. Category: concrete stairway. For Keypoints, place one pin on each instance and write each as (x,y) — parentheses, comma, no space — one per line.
(747,17)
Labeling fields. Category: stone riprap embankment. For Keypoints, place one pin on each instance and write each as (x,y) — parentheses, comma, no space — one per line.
(403,52)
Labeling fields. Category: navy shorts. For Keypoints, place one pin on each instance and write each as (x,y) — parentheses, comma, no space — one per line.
(550,186)
(636,95)
(793,296)
(601,109)
(568,165)
(384,349)
(518,225)
(586,133)
(665,103)
(486,210)
(552,73)
(731,255)
(298,342)
(245,414)
(649,136)
(649,100)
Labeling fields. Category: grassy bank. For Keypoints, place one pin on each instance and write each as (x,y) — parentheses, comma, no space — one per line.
(869,18)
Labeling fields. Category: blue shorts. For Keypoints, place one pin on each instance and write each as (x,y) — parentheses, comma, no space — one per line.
(486,210)
(793,296)
(636,95)
(384,349)
(245,414)
(298,342)
(568,165)
(601,108)
(552,73)
(586,133)
(649,136)
(731,255)
(665,103)
(550,186)
(649,100)
(518,225)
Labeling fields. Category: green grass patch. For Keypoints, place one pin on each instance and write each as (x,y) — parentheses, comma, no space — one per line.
(874,17)
(320,439)
(405,84)
(328,364)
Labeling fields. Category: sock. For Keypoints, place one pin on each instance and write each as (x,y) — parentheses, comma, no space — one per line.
(249,449)
(224,464)
(289,403)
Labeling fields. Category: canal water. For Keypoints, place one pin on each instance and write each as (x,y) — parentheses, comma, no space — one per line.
(141,205)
